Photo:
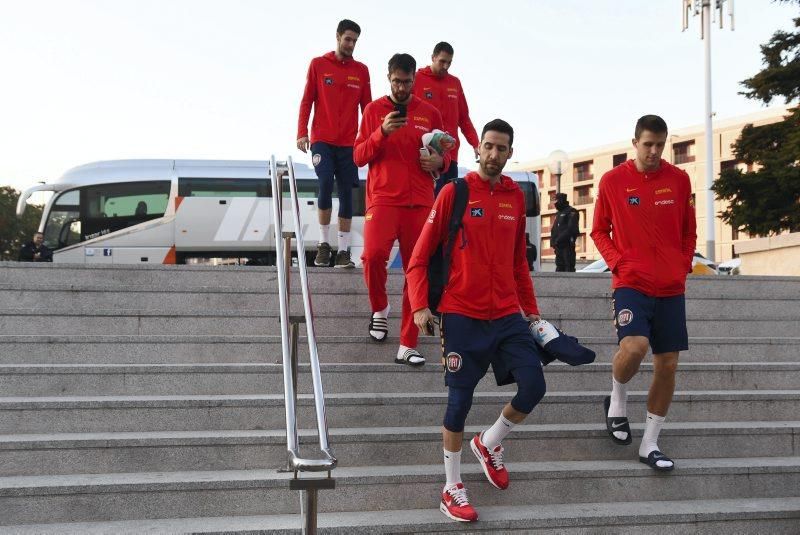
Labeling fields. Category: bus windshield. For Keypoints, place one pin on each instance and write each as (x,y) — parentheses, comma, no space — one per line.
(91,211)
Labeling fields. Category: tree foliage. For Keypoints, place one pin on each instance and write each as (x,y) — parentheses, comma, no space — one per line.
(15,231)
(766,199)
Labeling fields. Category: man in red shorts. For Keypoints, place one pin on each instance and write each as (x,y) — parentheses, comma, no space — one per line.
(644,226)
(399,192)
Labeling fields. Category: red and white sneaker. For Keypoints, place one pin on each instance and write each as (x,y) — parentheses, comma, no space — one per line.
(455,504)
(491,462)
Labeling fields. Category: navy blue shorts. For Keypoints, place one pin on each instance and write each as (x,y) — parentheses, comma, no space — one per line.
(471,345)
(335,163)
(661,319)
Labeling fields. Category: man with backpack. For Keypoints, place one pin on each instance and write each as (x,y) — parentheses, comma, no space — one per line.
(486,306)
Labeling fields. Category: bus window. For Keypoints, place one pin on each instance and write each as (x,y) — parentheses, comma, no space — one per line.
(223,187)
(360,200)
(59,229)
(106,208)
(307,188)
(531,198)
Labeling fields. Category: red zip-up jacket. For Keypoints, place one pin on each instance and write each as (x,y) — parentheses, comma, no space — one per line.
(489,275)
(395,176)
(644,226)
(446,95)
(336,89)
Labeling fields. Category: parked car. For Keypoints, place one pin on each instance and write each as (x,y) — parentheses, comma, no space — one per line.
(700,266)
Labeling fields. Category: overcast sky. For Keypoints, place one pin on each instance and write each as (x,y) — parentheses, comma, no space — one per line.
(87,80)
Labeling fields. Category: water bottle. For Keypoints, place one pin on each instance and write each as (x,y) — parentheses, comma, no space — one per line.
(543,332)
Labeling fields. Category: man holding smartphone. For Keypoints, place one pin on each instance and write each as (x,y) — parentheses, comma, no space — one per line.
(399,192)
(436,86)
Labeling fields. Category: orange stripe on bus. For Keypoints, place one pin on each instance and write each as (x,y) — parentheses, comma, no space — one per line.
(171,258)
(178,201)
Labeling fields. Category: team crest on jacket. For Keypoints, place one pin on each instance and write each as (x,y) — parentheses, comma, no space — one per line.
(625,317)
(453,362)
(428,94)
(476,212)
(633,201)
(316,159)
(328,80)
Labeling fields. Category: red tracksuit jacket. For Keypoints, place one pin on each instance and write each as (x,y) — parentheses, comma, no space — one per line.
(489,275)
(446,95)
(335,88)
(651,216)
(395,177)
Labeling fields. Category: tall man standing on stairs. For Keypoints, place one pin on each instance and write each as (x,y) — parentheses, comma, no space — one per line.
(336,85)
(436,86)
(485,305)
(399,192)
(644,226)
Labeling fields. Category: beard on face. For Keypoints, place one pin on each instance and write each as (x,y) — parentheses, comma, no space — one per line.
(491,168)
(400,95)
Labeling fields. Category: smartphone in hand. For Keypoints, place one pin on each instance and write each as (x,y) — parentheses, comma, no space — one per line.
(401,109)
(429,330)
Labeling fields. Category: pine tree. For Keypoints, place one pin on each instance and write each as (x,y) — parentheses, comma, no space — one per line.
(766,200)
(15,231)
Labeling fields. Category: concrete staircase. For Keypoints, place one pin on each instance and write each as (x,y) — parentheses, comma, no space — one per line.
(149,399)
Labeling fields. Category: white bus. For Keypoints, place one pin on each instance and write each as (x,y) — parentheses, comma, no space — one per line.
(170,211)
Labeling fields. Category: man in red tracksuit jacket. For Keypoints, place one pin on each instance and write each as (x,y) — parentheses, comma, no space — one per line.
(488,297)
(399,192)
(336,85)
(644,226)
(435,85)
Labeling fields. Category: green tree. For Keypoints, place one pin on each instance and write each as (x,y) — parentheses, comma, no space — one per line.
(766,199)
(15,231)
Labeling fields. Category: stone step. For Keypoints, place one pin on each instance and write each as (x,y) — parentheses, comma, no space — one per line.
(355,322)
(168,451)
(252,378)
(332,300)
(185,413)
(102,497)
(179,349)
(262,278)
(750,516)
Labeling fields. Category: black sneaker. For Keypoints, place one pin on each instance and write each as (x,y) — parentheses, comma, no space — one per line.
(343,260)
(323,258)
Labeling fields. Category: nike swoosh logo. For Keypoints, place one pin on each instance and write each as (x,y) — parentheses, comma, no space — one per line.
(615,426)
(473,202)
(448,503)
(630,189)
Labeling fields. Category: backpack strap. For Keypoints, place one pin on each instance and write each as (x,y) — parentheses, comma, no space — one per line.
(459,206)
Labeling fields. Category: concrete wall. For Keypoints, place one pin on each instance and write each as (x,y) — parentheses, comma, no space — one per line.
(776,255)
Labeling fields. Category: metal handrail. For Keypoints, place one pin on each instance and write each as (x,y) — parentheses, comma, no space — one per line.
(295,462)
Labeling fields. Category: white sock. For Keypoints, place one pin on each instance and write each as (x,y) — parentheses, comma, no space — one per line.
(652,428)
(619,404)
(325,234)
(344,240)
(382,313)
(493,436)
(413,359)
(619,399)
(452,467)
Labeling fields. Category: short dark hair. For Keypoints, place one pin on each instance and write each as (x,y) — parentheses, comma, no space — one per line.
(443,47)
(652,123)
(347,24)
(403,62)
(37,233)
(499,125)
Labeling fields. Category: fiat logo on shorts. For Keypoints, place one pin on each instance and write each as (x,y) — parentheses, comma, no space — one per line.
(624,317)
(316,159)
(453,362)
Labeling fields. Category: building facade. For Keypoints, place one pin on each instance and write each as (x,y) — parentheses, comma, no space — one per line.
(685,148)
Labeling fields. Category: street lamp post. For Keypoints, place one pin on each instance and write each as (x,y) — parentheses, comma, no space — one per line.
(557,164)
(703,8)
